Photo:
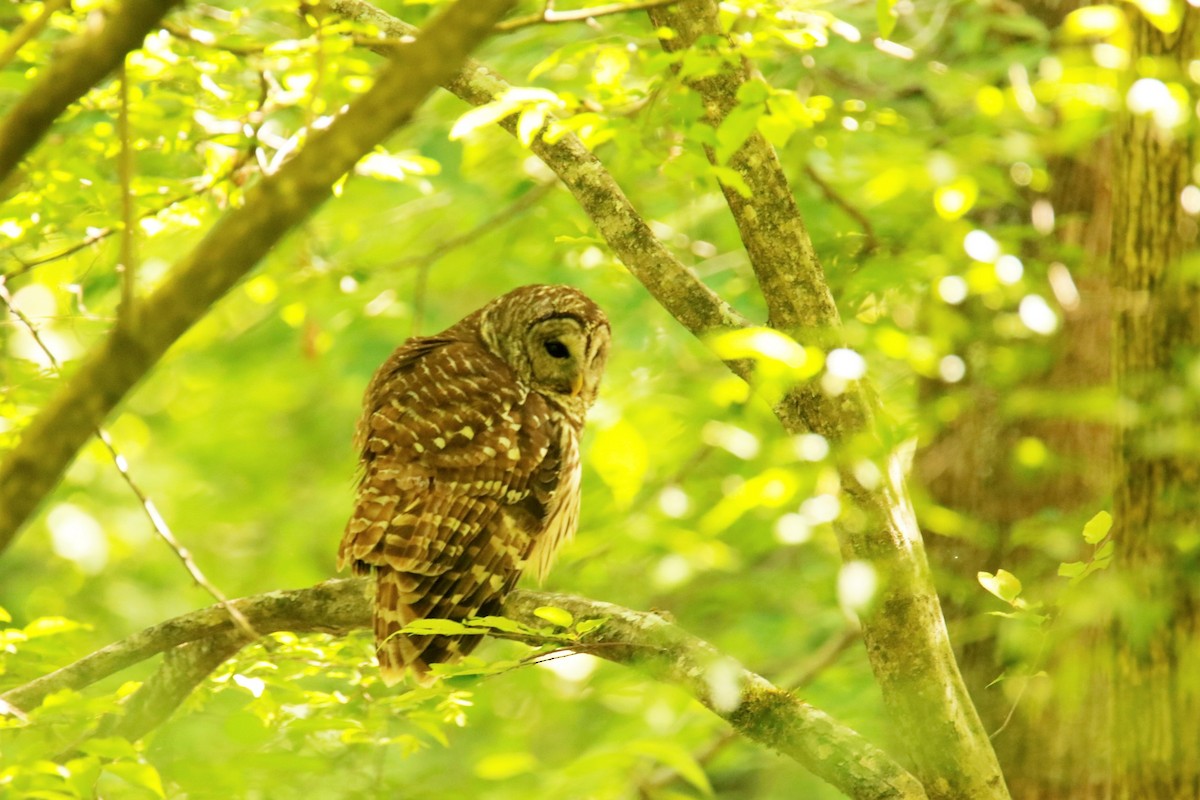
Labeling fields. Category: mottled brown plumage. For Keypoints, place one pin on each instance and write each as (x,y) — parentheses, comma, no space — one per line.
(469,446)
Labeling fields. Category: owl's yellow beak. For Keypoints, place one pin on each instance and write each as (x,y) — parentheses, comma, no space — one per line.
(576,385)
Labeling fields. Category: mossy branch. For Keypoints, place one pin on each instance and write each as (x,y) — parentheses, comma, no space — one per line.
(230,249)
(905,634)
(198,642)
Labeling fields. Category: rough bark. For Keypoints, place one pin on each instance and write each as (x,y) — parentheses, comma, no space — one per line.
(1156,490)
(230,249)
(1115,720)
(197,643)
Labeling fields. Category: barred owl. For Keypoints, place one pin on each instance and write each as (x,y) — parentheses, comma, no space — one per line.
(469,449)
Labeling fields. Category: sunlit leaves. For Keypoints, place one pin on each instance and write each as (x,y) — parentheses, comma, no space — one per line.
(885,17)
(1097,20)
(534,101)
(956,198)
(1003,584)
(398,167)
(1095,533)
(621,457)
(555,616)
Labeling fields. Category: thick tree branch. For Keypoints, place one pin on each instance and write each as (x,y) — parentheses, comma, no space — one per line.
(671,282)
(905,633)
(183,668)
(197,643)
(85,60)
(231,248)
(780,249)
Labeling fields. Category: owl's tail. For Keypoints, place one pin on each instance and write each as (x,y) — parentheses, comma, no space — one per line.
(396,651)
(399,652)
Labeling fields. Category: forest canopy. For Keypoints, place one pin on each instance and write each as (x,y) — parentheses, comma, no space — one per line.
(891,488)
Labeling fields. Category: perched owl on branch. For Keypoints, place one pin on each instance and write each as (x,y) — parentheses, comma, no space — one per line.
(469,449)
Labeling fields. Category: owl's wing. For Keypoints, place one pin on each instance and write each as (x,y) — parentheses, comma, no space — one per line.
(556,490)
(453,453)
(447,437)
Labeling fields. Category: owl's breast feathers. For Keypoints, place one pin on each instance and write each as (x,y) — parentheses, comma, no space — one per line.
(467,478)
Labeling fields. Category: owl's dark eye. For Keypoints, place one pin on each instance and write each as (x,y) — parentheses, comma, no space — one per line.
(557,349)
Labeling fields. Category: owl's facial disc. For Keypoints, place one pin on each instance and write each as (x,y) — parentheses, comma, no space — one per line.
(558,355)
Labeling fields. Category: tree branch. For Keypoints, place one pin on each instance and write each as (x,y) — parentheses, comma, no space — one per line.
(780,249)
(676,287)
(198,642)
(905,632)
(870,239)
(86,59)
(229,250)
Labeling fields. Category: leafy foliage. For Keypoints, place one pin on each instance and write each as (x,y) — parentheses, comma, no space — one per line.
(919,142)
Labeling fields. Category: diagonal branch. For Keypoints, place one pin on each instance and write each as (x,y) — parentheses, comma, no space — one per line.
(780,249)
(198,642)
(905,633)
(671,282)
(85,61)
(229,250)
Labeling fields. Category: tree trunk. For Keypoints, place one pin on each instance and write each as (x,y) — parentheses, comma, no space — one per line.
(1156,494)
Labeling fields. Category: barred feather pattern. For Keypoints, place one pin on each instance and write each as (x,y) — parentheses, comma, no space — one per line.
(469,449)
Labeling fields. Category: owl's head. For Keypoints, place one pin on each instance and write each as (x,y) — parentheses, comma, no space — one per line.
(553,337)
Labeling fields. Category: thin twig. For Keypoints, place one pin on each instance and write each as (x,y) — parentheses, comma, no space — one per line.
(122,464)
(29,31)
(1037,662)
(206,39)
(549,16)
(870,240)
(127,264)
(425,261)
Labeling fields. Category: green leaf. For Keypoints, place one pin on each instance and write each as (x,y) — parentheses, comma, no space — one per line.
(137,774)
(586,626)
(83,773)
(678,758)
(498,624)
(1104,554)
(481,116)
(1003,584)
(529,123)
(436,627)
(50,626)
(1023,616)
(4,615)
(1097,527)
(885,20)
(555,616)
(109,747)
(1072,569)
(731,178)
(763,344)
(502,766)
